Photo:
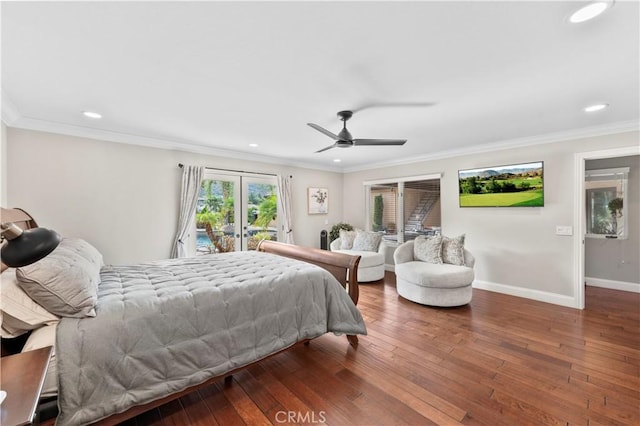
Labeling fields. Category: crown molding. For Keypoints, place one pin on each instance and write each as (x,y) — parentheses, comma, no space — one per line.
(10,113)
(130,139)
(12,118)
(585,132)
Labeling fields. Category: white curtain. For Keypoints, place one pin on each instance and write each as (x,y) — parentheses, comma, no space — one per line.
(191,181)
(284,201)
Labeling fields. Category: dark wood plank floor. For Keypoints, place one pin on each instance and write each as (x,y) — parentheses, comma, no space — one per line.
(501,360)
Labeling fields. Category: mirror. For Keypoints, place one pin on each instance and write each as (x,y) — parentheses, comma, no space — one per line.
(605,197)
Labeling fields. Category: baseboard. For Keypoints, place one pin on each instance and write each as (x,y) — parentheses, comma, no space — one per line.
(390,268)
(613,285)
(527,293)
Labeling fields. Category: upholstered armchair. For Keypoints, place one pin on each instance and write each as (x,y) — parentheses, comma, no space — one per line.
(434,284)
(371,267)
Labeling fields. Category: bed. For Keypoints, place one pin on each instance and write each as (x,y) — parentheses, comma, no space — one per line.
(136,336)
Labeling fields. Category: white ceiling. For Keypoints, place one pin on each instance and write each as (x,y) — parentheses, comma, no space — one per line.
(212,77)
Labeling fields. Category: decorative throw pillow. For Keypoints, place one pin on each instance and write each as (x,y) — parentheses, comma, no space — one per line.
(346,239)
(428,248)
(65,282)
(366,241)
(453,250)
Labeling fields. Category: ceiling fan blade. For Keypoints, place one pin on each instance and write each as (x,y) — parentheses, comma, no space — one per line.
(324,131)
(393,105)
(327,148)
(380,142)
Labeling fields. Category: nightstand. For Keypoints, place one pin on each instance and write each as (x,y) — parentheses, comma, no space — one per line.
(22,377)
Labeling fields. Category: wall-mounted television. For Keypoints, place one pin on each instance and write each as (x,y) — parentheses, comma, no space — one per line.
(514,185)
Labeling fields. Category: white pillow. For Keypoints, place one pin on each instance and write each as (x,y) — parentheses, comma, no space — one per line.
(366,241)
(20,313)
(428,248)
(41,338)
(66,281)
(346,239)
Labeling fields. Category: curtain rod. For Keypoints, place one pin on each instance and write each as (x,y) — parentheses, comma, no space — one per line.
(236,171)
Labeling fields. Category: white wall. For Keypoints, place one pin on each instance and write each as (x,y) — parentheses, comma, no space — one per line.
(124,198)
(3,165)
(516,249)
(614,260)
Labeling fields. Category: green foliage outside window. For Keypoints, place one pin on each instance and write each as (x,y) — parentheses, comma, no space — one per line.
(335,230)
(267,212)
(378,209)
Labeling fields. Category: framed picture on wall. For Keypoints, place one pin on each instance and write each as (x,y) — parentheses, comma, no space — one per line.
(318,200)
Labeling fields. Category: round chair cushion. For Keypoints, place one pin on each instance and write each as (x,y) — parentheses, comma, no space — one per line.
(435,275)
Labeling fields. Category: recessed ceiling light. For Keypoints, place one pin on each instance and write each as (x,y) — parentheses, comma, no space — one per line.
(253,145)
(596,107)
(91,114)
(336,160)
(589,11)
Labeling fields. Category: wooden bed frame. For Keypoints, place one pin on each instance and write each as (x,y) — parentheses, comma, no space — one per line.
(342,266)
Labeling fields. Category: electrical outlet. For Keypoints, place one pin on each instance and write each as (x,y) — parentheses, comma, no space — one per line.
(564,230)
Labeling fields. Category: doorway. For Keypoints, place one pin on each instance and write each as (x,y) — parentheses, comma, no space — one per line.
(580,219)
(235,212)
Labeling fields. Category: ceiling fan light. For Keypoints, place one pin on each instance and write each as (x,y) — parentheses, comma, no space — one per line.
(91,114)
(596,107)
(589,11)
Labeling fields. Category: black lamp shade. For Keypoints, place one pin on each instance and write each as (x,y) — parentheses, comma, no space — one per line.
(31,246)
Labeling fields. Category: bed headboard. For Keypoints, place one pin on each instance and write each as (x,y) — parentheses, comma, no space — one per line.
(18,216)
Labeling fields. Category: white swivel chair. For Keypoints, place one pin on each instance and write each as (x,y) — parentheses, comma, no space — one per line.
(433,284)
(371,267)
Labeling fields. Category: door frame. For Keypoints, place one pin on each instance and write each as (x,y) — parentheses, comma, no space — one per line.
(579,210)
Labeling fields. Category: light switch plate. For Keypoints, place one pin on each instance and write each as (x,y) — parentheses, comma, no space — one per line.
(564,230)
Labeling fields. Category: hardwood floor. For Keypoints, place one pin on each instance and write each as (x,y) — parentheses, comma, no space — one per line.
(501,360)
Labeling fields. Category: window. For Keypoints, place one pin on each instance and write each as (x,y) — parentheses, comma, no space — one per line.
(403,208)
(606,208)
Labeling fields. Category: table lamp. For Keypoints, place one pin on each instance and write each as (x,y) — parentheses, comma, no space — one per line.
(25,247)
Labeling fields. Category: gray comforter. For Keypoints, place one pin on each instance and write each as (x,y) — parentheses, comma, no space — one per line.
(164,326)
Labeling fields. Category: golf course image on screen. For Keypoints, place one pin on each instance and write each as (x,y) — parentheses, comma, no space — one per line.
(516,185)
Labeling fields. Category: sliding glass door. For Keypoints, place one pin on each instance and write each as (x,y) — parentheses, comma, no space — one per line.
(235,212)
(401,209)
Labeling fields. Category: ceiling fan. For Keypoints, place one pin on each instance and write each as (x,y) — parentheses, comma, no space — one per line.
(345,140)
